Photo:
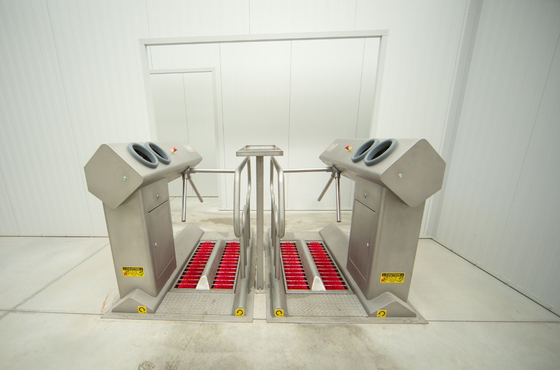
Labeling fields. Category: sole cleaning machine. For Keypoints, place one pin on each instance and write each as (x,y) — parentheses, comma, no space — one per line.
(192,275)
(364,277)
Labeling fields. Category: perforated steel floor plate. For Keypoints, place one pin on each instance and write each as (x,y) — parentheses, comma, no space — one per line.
(326,305)
(193,303)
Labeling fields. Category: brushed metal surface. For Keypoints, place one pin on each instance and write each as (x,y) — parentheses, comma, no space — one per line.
(383,241)
(259,151)
(133,234)
(325,305)
(362,242)
(113,174)
(161,238)
(368,195)
(413,171)
(193,303)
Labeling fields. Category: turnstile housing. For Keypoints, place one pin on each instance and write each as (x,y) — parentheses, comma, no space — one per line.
(137,211)
(389,200)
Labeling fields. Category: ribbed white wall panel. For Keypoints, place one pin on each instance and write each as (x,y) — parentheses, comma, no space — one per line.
(422,56)
(8,224)
(97,48)
(187,18)
(501,204)
(41,171)
(72,68)
(271,16)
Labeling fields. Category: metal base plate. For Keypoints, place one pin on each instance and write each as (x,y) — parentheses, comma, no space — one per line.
(205,303)
(208,306)
(329,305)
(326,308)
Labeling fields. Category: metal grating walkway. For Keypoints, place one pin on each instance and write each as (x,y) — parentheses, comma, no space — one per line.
(325,305)
(194,303)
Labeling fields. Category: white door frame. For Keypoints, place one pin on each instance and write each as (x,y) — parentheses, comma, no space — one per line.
(382,35)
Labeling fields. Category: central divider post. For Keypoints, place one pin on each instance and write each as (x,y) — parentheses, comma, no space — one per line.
(260,151)
(260,222)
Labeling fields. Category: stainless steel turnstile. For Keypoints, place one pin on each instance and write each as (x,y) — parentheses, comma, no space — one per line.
(374,264)
(156,271)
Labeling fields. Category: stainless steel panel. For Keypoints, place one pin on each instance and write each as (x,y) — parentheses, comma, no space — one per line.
(394,246)
(128,235)
(368,194)
(161,241)
(413,171)
(259,151)
(113,174)
(133,233)
(155,194)
(362,237)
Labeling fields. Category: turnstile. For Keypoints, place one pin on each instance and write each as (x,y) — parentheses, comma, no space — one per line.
(312,277)
(368,273)
(192,273)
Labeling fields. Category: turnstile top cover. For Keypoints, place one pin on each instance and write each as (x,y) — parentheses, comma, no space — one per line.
(113,174)
(413,171)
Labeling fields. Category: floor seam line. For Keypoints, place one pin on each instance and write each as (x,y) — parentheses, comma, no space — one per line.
(58,278)
(57,313)
(494,321)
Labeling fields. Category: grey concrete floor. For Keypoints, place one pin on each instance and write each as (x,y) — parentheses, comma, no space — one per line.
(54,290)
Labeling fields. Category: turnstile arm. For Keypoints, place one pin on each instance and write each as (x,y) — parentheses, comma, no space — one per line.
(335,175)
(187,178)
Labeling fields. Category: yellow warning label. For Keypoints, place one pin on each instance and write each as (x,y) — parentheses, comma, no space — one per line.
(392,277)
(382,313)
(131,271)
(279,313)
(142,309)
(240,312)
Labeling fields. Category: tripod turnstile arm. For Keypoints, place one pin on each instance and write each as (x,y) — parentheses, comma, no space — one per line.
(187,178)
(334,176)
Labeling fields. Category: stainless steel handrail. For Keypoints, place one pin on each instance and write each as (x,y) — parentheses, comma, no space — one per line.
(335,175)
(210,170)
(187,178)
(237,195)
(241,225)
(299,170)
(280,211)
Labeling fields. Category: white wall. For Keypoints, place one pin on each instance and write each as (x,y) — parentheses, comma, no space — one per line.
(71,79)
(298,95)
(502,205)
(184,110)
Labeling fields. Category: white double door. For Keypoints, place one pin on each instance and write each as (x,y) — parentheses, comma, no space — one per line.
(184,110)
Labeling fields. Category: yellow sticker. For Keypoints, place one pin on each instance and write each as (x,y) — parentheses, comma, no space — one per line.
(279,313)
(392,277)
(240,312)
(142,309)
(382,313)
(132,271)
